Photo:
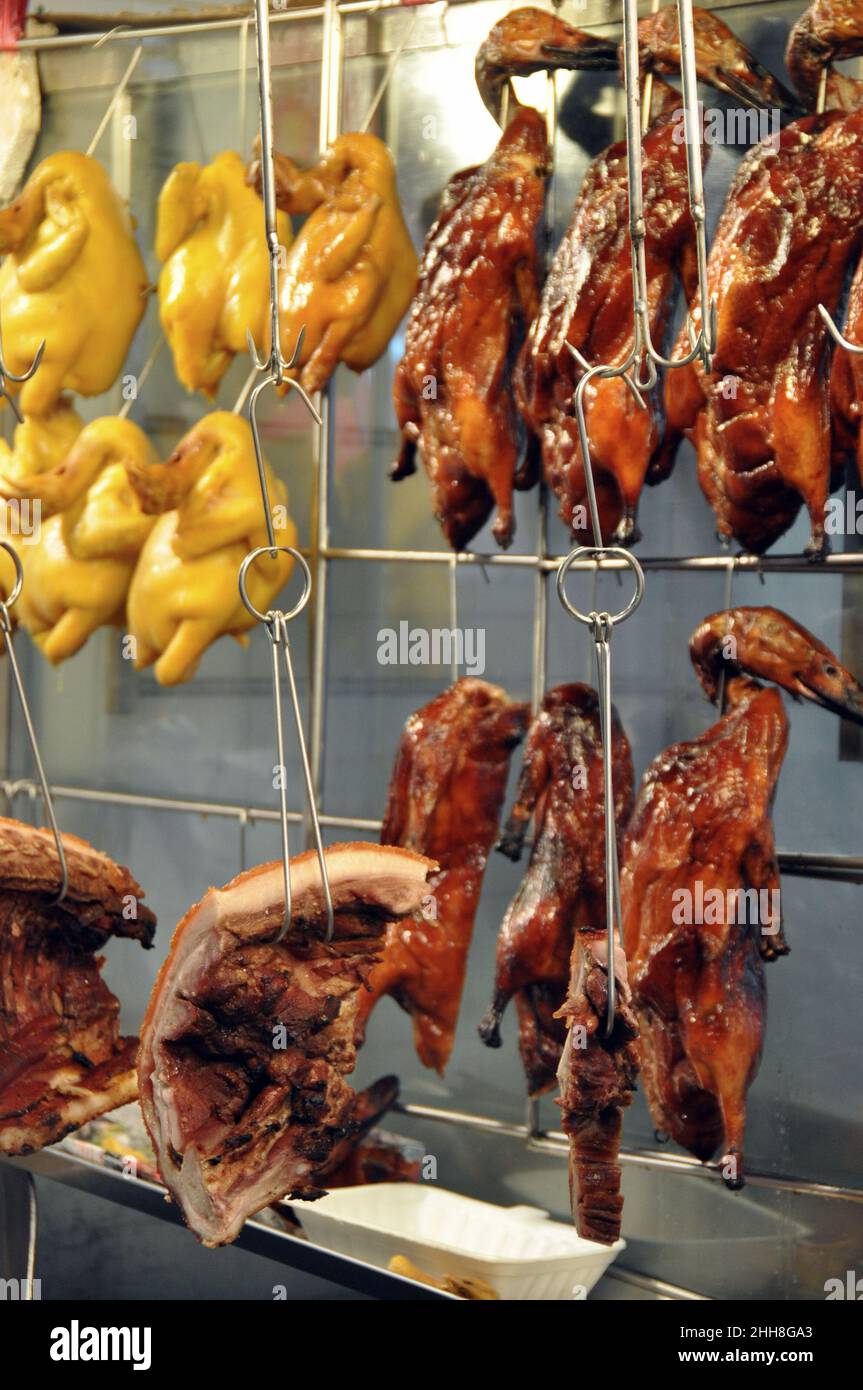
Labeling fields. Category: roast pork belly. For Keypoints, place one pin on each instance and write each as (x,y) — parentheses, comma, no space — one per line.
(62,1059)
(247,1040)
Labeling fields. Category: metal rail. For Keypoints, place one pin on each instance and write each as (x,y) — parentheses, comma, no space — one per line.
(847,562)
(840,868)
(556,1143)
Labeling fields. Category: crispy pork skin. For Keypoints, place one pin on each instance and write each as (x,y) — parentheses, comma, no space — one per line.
(62,1060)
(247,1041)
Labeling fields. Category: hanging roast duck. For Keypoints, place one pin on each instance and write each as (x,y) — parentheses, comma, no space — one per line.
(478,292)
(700,879)
(586,305)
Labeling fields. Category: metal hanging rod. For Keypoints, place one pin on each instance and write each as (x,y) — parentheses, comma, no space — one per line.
(556,1143)
(842,868)
(848,562)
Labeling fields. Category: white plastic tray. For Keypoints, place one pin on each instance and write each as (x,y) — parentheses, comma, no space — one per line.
(517,1250)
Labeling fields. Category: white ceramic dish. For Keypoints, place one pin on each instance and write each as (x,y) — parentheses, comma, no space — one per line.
(517,1250)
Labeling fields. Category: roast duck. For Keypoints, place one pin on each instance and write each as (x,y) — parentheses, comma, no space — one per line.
(62,1059)
(247,1040)
(73,276)
(445,798)
(350,273)
(551,953)
(792,224)
(479,281)
(587,301)
(207,498)
(700,879)
(214,286)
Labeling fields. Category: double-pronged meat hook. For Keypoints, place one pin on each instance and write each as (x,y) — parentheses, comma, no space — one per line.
(7,376)
(601,626)
(276,621)
(6,629)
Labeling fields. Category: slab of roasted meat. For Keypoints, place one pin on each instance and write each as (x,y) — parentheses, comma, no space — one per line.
(587,299)
(445,799)
(759,421)
(479,281)
(700,837)
(563,890)
(825,33)
(587,304)
(597,1076)
(62,1060)
(247,1041)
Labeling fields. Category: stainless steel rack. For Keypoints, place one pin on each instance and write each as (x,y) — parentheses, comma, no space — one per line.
(322,554)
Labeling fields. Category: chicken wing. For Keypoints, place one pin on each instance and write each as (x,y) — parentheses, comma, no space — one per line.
(563,890)
(446,792)
(700,881)
(184,594)
(73,276)
(350,273)
(214,285)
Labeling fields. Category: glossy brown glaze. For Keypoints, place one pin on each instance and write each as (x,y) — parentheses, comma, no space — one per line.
(701,832)
(587,304)
(825,33)
(563,890)
(759,421)
(445,798)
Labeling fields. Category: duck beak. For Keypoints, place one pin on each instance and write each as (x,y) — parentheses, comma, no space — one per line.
(749,81)
(584,52)
(833,688)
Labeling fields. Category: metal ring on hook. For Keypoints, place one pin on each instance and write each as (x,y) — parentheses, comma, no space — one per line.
(599,553)
(19,576)
(267,618)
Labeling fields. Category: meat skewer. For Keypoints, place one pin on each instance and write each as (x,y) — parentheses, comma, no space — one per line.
(247,1040)
(563,890)
(62,1059)
(701,836)
(445,799)
(478,292)
(587,302)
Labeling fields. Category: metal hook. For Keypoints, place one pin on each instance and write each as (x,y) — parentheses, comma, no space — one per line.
(601,625)
(276,623)
(856,349)
(6,376)
(6,628)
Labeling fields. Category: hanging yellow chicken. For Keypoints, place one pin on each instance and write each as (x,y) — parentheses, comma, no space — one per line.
(73,276)
(352,271)
(214,283)
(77,575)
(39,444)
(184,593)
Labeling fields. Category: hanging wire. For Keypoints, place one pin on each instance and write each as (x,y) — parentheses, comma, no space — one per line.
(275,370)
(47,801)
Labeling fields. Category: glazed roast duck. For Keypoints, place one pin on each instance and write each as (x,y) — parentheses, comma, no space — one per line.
(62,1059)
(248,1039)
(703,817)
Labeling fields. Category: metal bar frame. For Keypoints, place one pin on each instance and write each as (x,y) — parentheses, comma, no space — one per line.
(322,553)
